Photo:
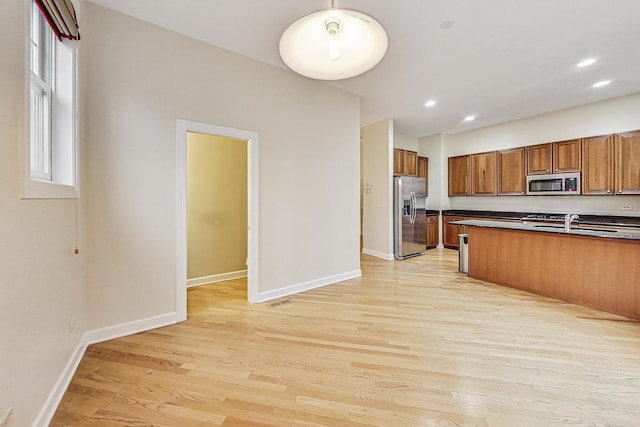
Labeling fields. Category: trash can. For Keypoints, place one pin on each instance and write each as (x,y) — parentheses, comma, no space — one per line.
(463,253)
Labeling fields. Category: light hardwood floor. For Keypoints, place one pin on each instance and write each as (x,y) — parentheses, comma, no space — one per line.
(411,343)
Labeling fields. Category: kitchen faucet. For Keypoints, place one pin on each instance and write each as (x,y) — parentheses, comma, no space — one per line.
(568,218)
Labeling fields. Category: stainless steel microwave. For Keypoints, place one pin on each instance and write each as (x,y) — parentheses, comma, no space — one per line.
(554,184)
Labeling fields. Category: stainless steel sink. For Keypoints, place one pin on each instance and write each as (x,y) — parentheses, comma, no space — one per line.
(600,230)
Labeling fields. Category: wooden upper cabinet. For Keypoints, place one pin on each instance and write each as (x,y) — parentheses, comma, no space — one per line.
(423,172)
(398,162)
(405,162)
(511,171)
(460,175)
(566,156)
(483,175)
(597,165)
(627,162)
(410,163)
(539,159)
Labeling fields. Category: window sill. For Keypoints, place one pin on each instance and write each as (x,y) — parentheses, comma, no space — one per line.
(34,189)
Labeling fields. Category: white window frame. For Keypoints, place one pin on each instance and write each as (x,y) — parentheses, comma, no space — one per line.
(56,176)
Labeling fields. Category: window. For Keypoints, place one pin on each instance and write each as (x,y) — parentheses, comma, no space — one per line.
(50,158)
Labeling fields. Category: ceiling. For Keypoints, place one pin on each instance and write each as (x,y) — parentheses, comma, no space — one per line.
(501,60)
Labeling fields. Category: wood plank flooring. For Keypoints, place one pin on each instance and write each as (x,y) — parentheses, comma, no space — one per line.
(411,343)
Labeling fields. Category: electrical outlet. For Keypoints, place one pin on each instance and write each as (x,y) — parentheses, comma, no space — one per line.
(626,207)
(72,324)
(5,420)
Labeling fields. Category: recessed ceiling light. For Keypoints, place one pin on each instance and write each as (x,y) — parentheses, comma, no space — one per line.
(586,62)
(430,103)
(601,83)
(469,118)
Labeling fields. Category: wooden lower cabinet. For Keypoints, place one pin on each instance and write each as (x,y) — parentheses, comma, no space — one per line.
(450,231)
(601,273)
(432,231)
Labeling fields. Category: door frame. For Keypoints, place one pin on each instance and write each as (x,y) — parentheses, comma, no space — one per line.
(252,139)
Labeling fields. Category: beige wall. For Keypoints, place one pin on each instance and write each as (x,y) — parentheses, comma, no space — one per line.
(216,205)
(140,79)
(42,285)
(135,81)
(377,159)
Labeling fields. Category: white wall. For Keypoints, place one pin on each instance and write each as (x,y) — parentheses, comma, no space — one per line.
(431,147)
(405,142)
(41,280)
(140,78)
(616,115)
(377,163)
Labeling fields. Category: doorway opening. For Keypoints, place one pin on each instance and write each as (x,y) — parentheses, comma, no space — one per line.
(250,138)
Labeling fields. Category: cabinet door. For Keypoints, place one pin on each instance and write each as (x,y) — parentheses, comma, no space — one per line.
(423,172)
(460,175)
(627,162)
(410,163)
(566,156)
(483,176)
(432,231)
(451,231)
(398,162)
(511,176)
(538,159)
(597,165)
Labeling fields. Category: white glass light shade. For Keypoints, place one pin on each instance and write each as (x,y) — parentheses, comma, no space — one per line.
(361,42)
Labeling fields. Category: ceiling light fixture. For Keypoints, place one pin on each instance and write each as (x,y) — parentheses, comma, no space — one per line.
(430,103)
(602,83)
(586,62)
(333,44)
(469,118)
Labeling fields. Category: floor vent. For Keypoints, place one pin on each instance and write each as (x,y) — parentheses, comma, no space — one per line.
(279,303)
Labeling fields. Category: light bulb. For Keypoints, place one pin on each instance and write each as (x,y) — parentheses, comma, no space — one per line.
(334,48)
(333,27)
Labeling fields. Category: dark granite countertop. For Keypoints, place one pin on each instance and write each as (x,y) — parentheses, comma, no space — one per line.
(586,219)
(557,229)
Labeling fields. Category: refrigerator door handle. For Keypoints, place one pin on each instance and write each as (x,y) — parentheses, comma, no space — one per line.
(413,207)
(410,207)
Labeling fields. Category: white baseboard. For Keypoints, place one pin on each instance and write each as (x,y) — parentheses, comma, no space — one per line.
(92,337)
(197,281)
(388,257)
(306,286)
(129,328)
(53,400)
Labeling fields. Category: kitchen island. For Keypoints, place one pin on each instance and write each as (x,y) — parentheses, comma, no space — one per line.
(594,268)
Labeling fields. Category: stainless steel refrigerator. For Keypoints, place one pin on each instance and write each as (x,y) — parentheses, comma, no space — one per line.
(409,217)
